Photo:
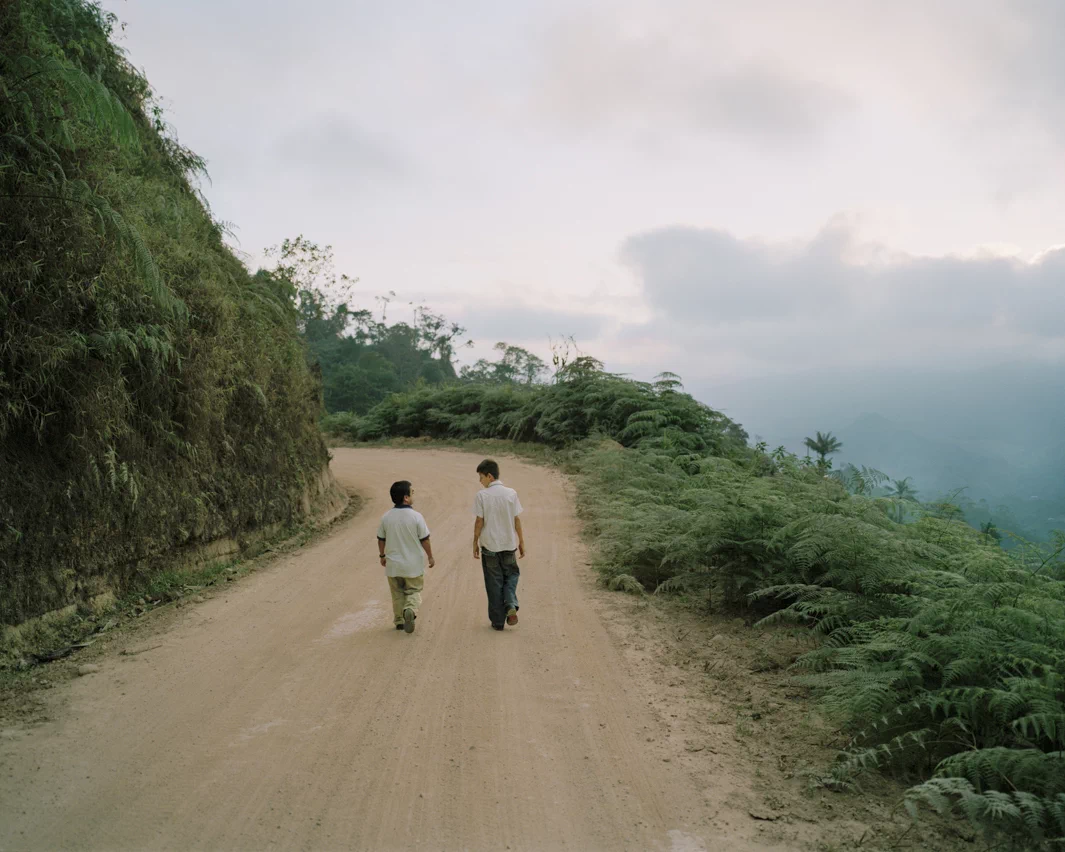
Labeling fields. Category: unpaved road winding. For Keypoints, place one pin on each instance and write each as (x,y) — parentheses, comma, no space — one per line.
(287,713)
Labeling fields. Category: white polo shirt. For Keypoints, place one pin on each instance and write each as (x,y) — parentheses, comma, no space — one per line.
(499,506)
(403,530)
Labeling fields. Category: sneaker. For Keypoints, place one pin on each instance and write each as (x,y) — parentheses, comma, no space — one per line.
(512,616)
(399,626)
(497,626)
(408,620)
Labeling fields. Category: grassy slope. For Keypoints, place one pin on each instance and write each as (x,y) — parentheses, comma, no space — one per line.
(151,394)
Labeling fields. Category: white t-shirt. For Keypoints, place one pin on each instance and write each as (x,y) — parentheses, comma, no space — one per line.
(403,530)
(499,506)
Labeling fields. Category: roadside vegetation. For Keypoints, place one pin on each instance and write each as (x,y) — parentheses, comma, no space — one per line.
(153,393)
(940,654)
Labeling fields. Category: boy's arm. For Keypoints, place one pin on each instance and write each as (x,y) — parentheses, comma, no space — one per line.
(521,538)
(428,548)
(478,525)
(381,549)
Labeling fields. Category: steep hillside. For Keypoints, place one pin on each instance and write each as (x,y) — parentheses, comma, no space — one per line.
(152,394)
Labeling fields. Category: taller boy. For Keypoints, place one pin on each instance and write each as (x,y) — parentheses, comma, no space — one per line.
(496,536)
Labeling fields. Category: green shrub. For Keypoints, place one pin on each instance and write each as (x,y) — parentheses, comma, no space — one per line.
(583,402)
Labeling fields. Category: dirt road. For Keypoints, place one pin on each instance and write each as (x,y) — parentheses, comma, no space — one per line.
(287,713)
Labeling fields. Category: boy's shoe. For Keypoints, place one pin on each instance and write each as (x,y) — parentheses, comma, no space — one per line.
(512,616)
(408,620)
(497,626)
(399,626)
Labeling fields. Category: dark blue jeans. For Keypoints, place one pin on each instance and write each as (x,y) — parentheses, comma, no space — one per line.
(500,582)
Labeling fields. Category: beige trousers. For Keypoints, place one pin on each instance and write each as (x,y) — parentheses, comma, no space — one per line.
(406,594)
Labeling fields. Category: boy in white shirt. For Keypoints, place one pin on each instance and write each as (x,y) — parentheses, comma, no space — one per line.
(402,535)
(497,534)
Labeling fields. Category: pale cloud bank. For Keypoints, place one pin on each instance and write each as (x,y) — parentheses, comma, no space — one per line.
(733,305)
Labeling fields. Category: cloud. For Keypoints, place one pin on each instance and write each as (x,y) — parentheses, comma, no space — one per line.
(331,150)
(692,272)
(891,85)
(519,324)
(1030,74)
(764,101)
(650,75)
(753,307)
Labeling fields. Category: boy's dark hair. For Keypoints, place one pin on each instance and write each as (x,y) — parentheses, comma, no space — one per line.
(490,467)
(398,491)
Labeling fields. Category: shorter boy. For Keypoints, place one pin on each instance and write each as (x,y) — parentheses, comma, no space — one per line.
(402,535)
(497,535)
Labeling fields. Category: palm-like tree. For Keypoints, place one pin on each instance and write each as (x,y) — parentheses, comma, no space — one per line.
(823,445)
(902,492)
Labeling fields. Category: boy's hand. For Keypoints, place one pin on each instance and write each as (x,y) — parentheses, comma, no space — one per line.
(521,550)
(476,552)
(383,562)
(432,562)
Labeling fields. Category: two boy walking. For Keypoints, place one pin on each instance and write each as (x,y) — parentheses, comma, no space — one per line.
(403,536)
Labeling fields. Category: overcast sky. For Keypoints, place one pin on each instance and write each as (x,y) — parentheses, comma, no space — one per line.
(734,191)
